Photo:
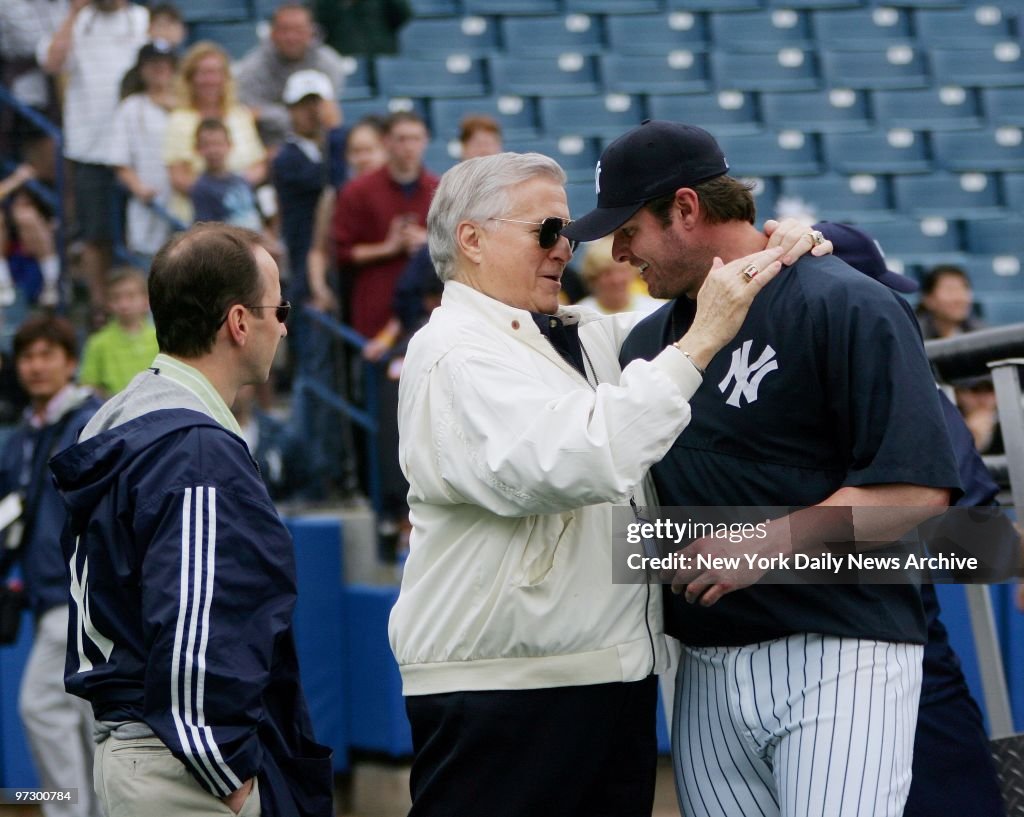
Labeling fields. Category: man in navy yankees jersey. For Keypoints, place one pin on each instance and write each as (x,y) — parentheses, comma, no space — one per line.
(182,573)
(788,696)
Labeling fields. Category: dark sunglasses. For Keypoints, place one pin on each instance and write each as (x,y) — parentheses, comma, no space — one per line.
(281,310)
(550,230)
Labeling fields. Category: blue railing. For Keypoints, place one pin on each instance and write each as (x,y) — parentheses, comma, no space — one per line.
(365,416)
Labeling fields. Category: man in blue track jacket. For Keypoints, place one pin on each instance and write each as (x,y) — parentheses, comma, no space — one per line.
(182,574)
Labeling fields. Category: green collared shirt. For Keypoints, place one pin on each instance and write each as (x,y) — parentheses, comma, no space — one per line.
(195,381)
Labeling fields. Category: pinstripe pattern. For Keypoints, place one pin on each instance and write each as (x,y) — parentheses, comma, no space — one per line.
(191,633)
(796,726)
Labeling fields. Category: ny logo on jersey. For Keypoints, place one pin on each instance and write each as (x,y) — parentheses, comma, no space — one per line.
(748,376)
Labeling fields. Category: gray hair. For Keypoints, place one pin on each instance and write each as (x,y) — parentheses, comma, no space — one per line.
(477,190)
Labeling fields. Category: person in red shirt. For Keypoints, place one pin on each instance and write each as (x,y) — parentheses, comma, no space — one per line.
(379,221)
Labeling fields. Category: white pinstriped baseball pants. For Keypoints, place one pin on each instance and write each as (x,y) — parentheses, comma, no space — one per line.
(803,726)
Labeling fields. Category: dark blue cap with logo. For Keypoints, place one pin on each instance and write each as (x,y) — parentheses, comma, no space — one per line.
(864,254)
(652,159)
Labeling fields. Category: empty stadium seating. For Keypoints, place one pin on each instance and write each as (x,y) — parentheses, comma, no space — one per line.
(892,151)
(947,108)
(833,110)
(677,72)
(789,69)
(721,113)
(951,195)
(456,75)
(563,74)
(769,30)
(899,66)
(862,28)
(439,37)
(998,149)
(517,115)
(863,198)
(579,33)
(607,115)
(656,33)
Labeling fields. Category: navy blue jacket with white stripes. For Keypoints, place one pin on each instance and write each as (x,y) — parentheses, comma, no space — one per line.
(183,586)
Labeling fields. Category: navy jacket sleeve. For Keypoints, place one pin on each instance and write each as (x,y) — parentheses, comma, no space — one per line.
(218,590)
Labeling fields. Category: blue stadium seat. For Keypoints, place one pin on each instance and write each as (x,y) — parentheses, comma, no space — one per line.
(676,73)
(261,9)
(759,30)
(612,6)
(881,151)
(923,242)
(358,84)
(1004,106)
(543,36)
(863,28)
(996,273)
(356,109)
(656,33)
(771,154)
(582,197)
(435,8)
(195,10)
(236,38)
(442,154)
(790,69)
(814,5)
(900,66)
(562,75)
(950,195)
(1003,236)
(834,111)
(1013,191)
(457,75)
(607,115)
(998,149)
(576,155)
(517,115)
(861,199)
(997,65)
(439,37)
(720,113)
(932,4)
(1000,309)
(959,28)
(713,5)
(947,108)
(494,7)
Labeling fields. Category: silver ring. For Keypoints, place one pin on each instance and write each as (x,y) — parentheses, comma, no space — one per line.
(750,272)
(817,238)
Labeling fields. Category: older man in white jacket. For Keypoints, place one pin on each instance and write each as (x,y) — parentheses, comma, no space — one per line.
(528,674)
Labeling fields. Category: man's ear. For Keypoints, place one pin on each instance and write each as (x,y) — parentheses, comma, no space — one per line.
(687,205)
(237,324)
(468,236)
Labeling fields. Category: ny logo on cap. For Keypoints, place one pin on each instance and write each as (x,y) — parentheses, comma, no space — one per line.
(597,177)
(748,376)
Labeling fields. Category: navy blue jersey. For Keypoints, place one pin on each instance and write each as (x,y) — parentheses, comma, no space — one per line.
(183,586)
(824,386)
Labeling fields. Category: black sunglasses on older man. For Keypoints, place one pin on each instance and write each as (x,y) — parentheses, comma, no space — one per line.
(550,230)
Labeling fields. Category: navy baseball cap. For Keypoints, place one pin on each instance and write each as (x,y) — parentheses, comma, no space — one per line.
(652,159)
(864,254)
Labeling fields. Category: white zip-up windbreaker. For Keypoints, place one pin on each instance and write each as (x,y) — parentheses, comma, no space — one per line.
(514,462)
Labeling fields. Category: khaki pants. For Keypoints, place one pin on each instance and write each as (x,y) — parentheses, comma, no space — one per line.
(140,777)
